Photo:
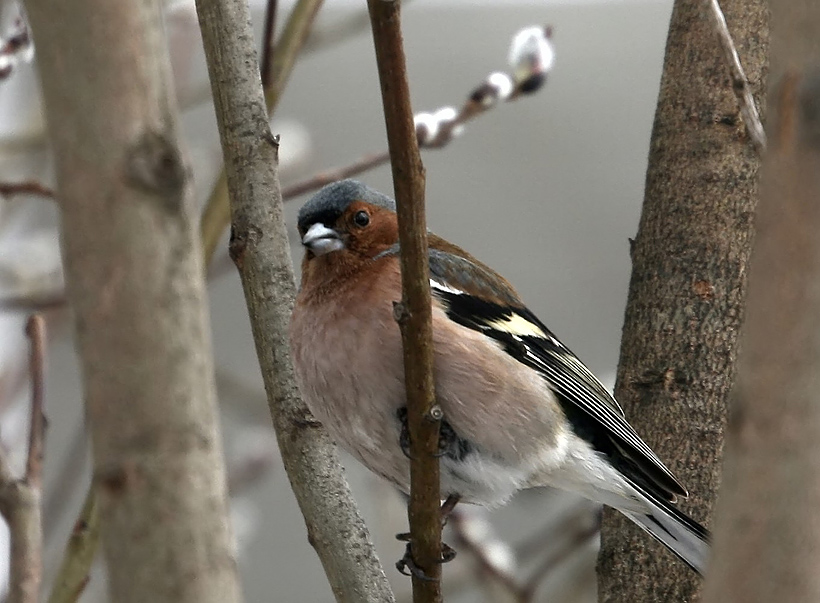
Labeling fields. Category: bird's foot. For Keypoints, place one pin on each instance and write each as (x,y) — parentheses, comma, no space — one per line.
(449,444)
(448,553)
(408,567)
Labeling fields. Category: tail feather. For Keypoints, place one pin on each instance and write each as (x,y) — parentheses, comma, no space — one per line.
(681,534)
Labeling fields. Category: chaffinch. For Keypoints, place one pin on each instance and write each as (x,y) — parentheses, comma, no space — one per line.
(520,409)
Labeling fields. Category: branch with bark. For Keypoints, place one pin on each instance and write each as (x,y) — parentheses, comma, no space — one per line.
(688,286)
(260,250)
(217,214)
(136,289)
(20,498)
(413,313)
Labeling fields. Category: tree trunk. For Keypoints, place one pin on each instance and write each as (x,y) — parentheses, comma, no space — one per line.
(767,540)
(687,291)
(134,279)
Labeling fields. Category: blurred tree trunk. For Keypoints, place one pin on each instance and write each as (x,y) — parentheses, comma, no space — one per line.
(134,279)
(767,541)
(687,292)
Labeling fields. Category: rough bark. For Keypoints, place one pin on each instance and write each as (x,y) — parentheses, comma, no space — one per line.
(767,540)
(259,248)
(414,313)
(134,280)
(687,291)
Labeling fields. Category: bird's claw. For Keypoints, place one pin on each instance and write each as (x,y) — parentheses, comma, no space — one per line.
(408,567)
(448,441)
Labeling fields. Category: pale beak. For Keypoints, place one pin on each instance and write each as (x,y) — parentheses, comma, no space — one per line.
(321,240)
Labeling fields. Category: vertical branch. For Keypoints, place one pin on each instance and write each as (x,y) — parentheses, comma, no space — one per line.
(413,312)
(135,283)
(217,215)
(20,498)
(259,248)
(688,286)
(767,544)
(268,42)
(80,551)
(36,331)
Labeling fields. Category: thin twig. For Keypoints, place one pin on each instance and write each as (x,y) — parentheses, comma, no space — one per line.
(317,181)
(740,83)
(80,551)
(28,187)
(414,313)
(20,498)
(268,42)
(435,130)
(28,303)
(36,331)
(216,216)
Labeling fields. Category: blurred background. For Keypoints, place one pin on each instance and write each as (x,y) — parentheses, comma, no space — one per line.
(546,189)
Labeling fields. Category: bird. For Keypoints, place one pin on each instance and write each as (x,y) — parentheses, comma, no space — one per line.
(520,409)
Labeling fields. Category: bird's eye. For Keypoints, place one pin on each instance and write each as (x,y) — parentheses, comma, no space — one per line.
(361,219)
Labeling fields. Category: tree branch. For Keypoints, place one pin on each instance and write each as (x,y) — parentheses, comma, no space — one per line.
(20,498)
(73,575)
(437,129)
(136,290)
(268,42)
(260,250)
(740,84)
(217,213)
(413,313)
(687,290)
(30,187)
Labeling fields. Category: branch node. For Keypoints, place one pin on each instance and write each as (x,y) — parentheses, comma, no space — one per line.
(236,248)
(154,164)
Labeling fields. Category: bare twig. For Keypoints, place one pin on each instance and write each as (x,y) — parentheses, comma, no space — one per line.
(73,574)
(260,250)
(531,60)
(36,331)
(29,187)
(740,83)
(413,314)
(268,42)
(28,303)
(363,164)
(20,498)
(216,216)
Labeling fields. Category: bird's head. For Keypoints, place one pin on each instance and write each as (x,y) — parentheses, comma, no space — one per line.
(345,225)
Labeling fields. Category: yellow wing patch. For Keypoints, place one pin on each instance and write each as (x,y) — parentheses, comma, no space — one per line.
(517,325)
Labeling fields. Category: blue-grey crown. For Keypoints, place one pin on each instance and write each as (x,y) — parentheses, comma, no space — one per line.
(332,201)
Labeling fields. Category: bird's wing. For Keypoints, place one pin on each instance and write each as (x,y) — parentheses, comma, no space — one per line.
(476,297)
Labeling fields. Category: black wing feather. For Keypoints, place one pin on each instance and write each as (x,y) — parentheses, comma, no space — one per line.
(593,412)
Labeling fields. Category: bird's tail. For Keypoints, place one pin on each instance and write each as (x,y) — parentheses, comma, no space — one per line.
(681,534)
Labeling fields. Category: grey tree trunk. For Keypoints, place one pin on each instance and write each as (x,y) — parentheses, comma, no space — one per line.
(767,540)
(134,279)
(688,284)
